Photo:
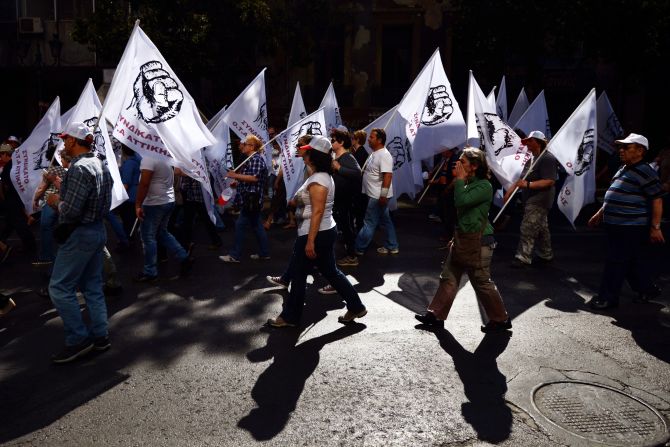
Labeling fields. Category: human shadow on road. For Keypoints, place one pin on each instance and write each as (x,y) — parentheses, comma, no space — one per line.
(279,387)
(484,385)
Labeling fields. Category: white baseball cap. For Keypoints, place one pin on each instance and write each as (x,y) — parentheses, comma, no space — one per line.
(318,143)
(634,138)
(76,129)
(343,128)
(536,134)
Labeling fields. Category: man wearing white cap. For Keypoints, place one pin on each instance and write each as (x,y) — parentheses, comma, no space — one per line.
(538,194)
(631,212)
(84,199)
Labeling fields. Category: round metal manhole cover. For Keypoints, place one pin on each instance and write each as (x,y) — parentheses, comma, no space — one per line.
(600,414)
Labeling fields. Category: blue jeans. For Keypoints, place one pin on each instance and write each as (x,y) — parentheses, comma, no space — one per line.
(325,262)
(376,215)
(48,220)
(253,221)
(78,264)
(153,229)
(117,227)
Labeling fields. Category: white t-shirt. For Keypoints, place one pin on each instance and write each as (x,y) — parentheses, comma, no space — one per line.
(379,162)
(303,212)
(161,188)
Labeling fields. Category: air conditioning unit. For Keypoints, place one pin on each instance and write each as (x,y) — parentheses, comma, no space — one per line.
(30,25)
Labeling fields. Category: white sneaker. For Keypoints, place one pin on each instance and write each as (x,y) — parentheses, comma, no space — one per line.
(386,251)
(230,259)
(327,290)
(257,257)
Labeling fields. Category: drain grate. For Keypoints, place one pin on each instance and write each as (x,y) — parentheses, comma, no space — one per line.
(600,413)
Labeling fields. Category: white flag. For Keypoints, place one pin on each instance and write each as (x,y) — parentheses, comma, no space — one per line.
(609,127)
(298,110)
(519,108)
(406,168)
(87,111)
(501,101)
(434,119)
(219,155)
(330,109)
(505,153)
(30,159)
(64,118)
(248,114)
(535,117)
(152,112)
(293,167)
(474,91)
(574,146)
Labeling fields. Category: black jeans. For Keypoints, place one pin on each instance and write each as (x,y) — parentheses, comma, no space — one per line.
(191,210)
(325,262)
(627,255)
(342,212)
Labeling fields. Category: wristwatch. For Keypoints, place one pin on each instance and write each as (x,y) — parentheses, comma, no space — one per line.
(656,226)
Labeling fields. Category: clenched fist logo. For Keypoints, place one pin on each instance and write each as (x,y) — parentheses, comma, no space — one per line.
(438,107)
(98,139)
(157,96)
(499,134)
(585,152)
(400,151)
(262,118)
(309,128)
(40,155)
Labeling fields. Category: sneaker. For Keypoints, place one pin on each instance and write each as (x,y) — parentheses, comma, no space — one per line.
(327,290)
(429,319)
(348,261)
(280,322)
(228,258)
(386,251)
(497,326)
(8,307)
(599,304)
(5,254)
(143,277)
(277,281)
(71,353)
(350,316)
(185,267)
(101,343)
(257,257)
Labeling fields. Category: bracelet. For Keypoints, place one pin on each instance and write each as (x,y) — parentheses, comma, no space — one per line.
(384,193)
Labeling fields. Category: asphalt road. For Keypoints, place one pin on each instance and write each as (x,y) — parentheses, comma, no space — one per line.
(192,364)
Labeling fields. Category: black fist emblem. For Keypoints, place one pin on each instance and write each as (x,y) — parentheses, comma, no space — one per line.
(438,107)
(157,96)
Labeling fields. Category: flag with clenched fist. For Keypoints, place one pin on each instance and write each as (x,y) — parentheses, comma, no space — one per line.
(151,110)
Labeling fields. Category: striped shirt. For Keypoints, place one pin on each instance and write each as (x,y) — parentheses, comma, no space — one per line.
(628,199)
(86,190)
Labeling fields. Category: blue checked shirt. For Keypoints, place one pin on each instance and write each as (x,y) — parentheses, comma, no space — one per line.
(256,167)
(86,191)
(191,190)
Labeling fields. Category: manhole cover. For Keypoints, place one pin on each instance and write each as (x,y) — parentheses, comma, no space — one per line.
(601,414)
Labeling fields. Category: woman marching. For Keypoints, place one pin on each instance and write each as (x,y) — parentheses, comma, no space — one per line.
(317,234)
(472,247)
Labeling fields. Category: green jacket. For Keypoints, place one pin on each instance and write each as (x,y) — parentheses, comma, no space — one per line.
(473,200)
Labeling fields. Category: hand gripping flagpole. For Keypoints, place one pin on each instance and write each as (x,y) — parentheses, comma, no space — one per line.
(260,151)
(516,188)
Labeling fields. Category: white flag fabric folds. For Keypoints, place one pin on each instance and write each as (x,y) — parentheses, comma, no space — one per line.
(248,114)
(292,166)
(87,111)
(574,146)
(330,109)
(406,168)
(219,155)
(30,159)
(434,119)
(152,111)
(519,108)
(505,153)
(474,91)
(63,119)
(609,127)
(501,100)
(298,110)
(535,117)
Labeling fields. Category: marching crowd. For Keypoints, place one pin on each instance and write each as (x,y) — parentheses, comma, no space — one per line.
(345,196)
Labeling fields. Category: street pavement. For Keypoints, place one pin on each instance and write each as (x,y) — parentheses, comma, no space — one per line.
(192,364)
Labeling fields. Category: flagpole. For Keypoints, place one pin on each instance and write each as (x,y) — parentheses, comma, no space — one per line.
(260,150)
(104,105)
(516,188)
(439,168)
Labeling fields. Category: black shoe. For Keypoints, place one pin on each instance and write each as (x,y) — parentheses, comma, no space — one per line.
(101,344)
(598,304)
(112,291)
(497,326)
(71,353)
(429,319)
(186,267)
(143,277)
